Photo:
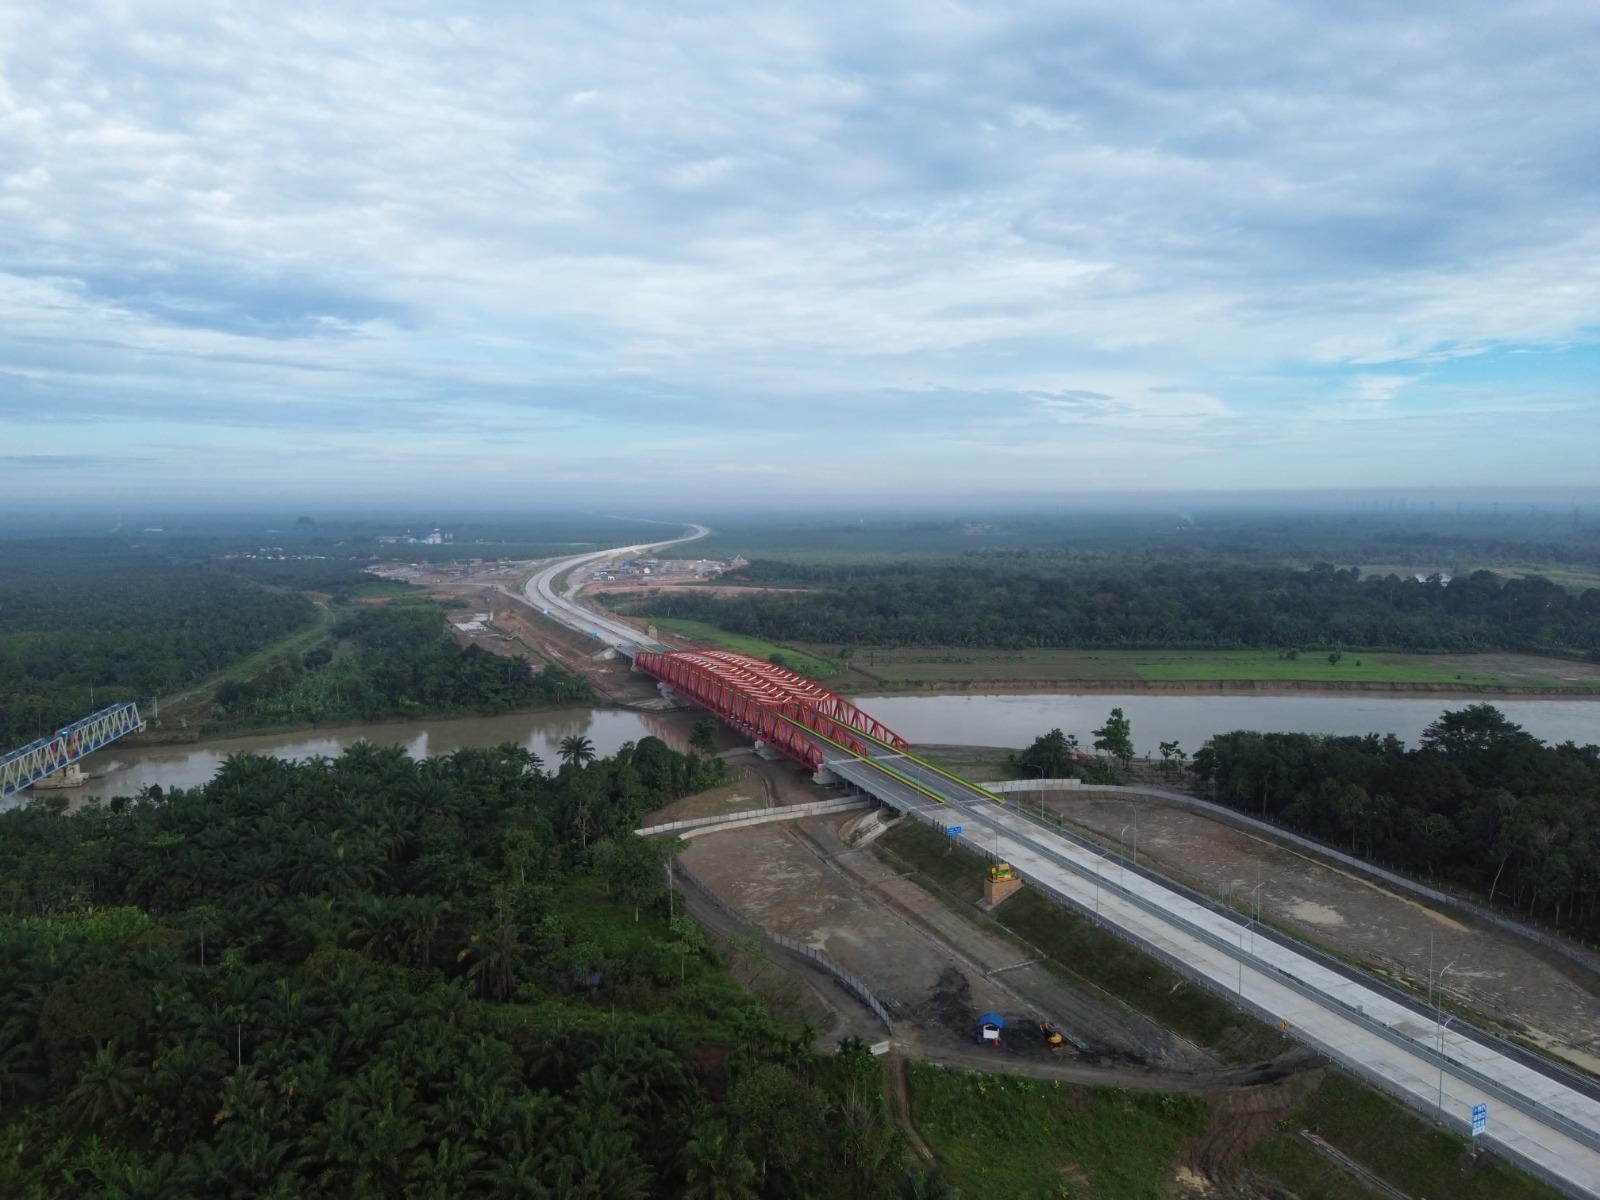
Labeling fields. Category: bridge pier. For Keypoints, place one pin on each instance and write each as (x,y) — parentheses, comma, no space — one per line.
(825,777)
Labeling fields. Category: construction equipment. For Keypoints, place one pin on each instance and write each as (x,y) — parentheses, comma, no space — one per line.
(1052,1036)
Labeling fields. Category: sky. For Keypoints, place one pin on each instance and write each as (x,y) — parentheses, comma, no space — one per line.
(717,252)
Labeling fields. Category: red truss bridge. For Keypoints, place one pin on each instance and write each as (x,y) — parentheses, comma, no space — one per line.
(769,703)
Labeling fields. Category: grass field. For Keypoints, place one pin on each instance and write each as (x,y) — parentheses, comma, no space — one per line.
(925,665)
(1024,1138)
(806,663)
(1389,1140)
(384,589)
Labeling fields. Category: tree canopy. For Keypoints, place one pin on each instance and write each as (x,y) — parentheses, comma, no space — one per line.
(1024,603)
(377,977)
(392,660)
(82,614)
(1480,802)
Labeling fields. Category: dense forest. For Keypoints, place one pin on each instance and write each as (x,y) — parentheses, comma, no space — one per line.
(82,614)
(1410,535)
(1480,803)
(387,661)
(1014,603)
(375,977)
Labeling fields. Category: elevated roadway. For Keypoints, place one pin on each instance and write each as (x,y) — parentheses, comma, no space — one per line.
(561,604)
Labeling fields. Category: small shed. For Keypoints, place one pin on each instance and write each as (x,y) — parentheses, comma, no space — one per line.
(989,1027)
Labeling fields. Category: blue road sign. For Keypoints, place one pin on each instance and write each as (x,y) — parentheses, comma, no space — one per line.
(1480,1118)
(954,831)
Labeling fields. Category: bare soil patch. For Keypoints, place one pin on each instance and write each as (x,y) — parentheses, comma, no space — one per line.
(1544,999)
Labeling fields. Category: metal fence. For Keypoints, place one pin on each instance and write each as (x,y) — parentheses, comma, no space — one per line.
(852,982)
(1241,820)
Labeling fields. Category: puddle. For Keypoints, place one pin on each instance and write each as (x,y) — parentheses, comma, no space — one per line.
(1313,913)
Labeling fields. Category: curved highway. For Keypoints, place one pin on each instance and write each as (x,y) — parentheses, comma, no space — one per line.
(542,593)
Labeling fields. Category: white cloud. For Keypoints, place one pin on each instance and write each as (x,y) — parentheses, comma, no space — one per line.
(748,221)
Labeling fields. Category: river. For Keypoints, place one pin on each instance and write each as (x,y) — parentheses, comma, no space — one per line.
(969,720)
(1191,718)
(123,770)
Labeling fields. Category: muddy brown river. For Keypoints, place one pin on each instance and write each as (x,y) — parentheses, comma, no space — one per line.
(123,771)
(973,720)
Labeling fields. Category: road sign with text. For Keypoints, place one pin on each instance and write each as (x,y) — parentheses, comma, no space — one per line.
(954,831)
(1480,1118)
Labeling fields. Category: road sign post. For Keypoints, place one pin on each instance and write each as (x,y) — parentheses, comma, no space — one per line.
(953,831)
(1480,1121)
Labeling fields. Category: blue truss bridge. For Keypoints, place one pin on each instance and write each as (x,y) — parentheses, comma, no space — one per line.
(38,760)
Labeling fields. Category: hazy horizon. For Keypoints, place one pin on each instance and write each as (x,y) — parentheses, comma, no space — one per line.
(1473,510)
(493,259)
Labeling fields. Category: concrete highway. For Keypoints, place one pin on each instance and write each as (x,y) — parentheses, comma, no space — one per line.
(1535,1119)
(541,591)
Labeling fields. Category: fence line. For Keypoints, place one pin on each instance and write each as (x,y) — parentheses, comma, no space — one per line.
(852,982)
(756,816)
(1242,820)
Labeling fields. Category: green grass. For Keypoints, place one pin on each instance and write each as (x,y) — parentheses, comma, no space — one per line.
(1391,1141)
(383,589)
(923,665)
(1084,954)
(811,665)
(1022,1138)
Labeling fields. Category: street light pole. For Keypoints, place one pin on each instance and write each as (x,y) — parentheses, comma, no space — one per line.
(1134,809)
(1255,895)
(1120,876)
(1438,1112)
(1440,1026)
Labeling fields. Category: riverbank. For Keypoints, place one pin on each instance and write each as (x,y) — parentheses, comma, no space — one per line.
(1029,687)
(197,737)
(1053,669)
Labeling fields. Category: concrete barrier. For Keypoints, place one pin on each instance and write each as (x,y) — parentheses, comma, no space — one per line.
(694,826)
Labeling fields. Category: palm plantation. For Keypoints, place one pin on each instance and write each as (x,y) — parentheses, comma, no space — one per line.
(455,977)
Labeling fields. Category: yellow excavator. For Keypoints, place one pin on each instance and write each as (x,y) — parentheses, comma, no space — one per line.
(1052,1036)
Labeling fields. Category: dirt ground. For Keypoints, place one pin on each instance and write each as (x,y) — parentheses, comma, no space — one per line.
(935,969)
(1544,999)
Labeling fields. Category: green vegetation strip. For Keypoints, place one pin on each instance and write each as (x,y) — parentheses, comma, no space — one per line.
(1022,1138)
(1381,669)
(810,665)
(1389,1140)
(1082,953)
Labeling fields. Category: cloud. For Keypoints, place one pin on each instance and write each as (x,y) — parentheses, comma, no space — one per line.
(801,230)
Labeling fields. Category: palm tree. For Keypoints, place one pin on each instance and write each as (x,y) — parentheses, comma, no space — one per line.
(577,750)
(719,1169)
(105,1087)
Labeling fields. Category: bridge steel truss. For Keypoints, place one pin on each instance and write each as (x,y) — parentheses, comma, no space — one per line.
(44,757)
(768,702)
